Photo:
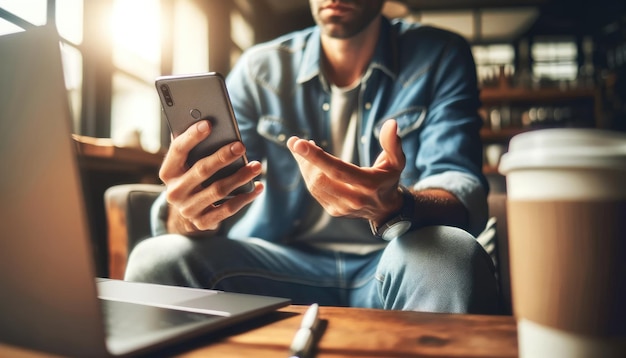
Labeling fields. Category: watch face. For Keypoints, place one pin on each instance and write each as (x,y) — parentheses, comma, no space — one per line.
(396,229)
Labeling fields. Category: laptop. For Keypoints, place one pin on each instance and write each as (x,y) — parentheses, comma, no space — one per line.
(50,300)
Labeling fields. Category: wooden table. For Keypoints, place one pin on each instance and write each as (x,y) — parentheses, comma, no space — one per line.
(355,332)
(351,332)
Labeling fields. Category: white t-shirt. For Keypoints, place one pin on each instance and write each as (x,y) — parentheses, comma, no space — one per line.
(319,228)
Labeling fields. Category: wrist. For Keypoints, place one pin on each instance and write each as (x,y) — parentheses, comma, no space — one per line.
(393,207)
(398,221)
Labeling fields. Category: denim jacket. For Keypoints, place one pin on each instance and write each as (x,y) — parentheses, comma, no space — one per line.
(422,77)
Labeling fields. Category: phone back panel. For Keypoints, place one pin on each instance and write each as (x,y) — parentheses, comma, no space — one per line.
(193,98)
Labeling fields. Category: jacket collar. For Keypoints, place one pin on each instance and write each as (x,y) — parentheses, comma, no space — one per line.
(385,56)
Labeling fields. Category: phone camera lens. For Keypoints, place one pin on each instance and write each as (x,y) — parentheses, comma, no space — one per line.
(166,95)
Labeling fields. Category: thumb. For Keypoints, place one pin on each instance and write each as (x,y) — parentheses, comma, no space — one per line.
(392,145)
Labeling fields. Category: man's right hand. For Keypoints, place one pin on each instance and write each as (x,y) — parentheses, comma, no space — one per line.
(192,210)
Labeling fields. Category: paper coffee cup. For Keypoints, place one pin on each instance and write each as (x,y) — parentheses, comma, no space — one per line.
(567,239)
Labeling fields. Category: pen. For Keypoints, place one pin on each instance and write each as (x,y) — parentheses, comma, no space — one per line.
(311,317)
(302,343)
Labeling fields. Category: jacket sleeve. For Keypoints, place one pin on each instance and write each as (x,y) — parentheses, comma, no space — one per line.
(450,155)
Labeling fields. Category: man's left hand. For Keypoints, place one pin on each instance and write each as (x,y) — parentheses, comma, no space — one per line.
(346,190)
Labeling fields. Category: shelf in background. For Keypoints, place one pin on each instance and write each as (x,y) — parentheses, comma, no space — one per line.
(543,95)
(101,153)
(500,136)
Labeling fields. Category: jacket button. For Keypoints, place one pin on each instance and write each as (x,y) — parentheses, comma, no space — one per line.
(326,107)
(368,105)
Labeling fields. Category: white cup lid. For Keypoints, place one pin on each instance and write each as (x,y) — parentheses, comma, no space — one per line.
(565,148)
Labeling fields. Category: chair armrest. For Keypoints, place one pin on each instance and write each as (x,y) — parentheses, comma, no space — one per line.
(127,208)
(498,209)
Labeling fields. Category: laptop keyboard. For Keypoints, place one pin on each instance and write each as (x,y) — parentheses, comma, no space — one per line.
(126,320)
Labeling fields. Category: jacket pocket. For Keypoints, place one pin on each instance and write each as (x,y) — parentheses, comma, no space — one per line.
(283,173)
(408,120)
(275,130)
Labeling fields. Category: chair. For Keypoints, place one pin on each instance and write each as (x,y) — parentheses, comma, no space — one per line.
(128,219)
(127,208)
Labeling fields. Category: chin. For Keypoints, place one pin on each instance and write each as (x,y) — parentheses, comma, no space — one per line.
(339,31)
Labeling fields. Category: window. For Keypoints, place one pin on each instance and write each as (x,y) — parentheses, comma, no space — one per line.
(112,52)
(21,14)
(7,27)
(136,52)
(69,22)
(16,15)
(555,59)
(242,34)
(73,71)
(491,59)
(191,38)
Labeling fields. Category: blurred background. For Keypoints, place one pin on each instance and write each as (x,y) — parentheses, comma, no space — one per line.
(115,48)
(541,63)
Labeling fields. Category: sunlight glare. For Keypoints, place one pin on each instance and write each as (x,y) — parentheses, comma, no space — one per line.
(8,27)
(135,28)
(69,15)
(33,11)
(191,38)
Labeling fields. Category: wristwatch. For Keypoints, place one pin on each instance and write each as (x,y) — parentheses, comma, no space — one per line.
(400,222)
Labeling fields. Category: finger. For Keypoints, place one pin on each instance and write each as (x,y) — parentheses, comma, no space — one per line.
(206,167)
(222,188)
(327,190)
(189,183)
(197,204)
(202,199)
(392,146)
(307,152)
(212,216)
(174,163)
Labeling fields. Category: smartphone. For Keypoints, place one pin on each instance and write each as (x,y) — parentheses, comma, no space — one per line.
(187,99)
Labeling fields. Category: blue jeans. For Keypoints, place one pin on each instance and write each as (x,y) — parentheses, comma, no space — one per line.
(436,269)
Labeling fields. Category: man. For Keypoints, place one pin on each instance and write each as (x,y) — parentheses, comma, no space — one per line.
(372,181)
